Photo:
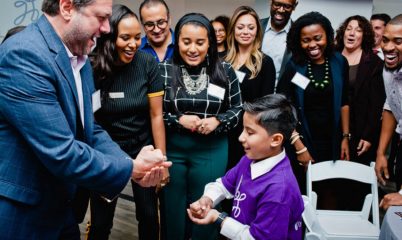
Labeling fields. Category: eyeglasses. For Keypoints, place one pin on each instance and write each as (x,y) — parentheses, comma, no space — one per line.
(162,24)
(278,5)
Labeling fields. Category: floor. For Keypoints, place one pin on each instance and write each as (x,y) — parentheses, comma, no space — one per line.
(124,224)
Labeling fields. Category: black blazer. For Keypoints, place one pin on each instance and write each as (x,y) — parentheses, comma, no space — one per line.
(366,104)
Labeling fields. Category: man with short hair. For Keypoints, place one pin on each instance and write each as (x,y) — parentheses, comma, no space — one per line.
(392,114)
(159,40)
(276,28)
(378,22)
(50,144)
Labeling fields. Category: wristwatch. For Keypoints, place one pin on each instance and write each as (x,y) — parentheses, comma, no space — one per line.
(220,219)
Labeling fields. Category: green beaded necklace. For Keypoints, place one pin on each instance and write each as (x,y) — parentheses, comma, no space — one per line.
(319,84)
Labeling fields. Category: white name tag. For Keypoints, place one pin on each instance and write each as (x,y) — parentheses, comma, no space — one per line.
(216,91)
(96,101)
(300,80)
(240,75)
(116,95)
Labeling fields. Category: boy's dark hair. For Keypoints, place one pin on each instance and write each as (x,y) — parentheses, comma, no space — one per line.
(275,113)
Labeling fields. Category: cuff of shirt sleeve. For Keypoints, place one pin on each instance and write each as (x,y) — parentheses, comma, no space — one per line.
(232,228)
(216,191)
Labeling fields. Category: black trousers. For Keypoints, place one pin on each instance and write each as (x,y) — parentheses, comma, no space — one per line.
(102,214)
(395,161)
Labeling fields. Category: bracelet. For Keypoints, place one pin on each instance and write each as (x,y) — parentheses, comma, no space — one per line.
(294,134)
(294,139)
(301,151)
(347,135)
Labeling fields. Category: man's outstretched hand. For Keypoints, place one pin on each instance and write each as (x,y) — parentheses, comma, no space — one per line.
(148,166)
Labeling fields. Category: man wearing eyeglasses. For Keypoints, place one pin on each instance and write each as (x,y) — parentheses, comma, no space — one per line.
(155,18)
(276,28)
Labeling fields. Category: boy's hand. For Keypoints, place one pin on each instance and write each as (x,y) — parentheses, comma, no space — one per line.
(209,218)
(200,208)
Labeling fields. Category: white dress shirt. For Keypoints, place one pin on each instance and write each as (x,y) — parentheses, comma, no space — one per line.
(77,62)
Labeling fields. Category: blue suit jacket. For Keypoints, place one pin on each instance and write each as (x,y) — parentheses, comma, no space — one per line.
(44,151)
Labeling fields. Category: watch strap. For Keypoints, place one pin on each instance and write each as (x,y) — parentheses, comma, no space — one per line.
(220,219)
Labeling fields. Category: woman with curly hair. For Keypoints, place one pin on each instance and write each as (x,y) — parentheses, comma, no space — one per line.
(320,94)
(255,70)
(355,39)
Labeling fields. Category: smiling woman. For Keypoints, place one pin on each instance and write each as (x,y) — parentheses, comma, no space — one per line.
(131,113)
(202,103)
(355,39)
(321,97)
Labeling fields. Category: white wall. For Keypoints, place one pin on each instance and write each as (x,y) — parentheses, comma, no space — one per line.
(391,7)
(18,12)
(336,10)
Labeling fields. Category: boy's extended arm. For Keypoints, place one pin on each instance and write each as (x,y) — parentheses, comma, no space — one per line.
(216,191)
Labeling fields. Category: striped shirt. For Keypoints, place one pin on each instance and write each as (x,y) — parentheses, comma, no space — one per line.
(202,104)
(125,107)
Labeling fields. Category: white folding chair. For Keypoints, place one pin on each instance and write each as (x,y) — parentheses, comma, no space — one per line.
(331,224)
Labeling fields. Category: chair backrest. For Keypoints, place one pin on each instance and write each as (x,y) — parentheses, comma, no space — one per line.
(346,170)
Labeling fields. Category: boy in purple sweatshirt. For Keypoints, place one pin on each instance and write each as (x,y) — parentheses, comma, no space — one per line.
(267,201)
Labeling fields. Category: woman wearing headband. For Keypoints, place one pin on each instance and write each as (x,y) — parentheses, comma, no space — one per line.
(202,103)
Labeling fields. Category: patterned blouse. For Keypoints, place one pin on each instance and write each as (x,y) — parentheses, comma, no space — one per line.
(201,103)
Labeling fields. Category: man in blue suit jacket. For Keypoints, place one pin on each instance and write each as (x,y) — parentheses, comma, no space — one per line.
(50,143)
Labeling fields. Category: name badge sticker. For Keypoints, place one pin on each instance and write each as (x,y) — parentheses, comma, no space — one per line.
(300,80)
(240,75)
(116,95)
(216,91)
(96,101)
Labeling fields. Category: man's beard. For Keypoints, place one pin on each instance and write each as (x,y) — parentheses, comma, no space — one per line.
(396,69)
(77,41)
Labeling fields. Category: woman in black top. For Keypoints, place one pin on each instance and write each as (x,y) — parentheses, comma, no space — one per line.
(320,95)
(355,39)
(255,70)
(131,112)
(220,24)
(202,103)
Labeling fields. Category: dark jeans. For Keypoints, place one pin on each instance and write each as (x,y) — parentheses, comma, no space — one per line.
(102,214)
